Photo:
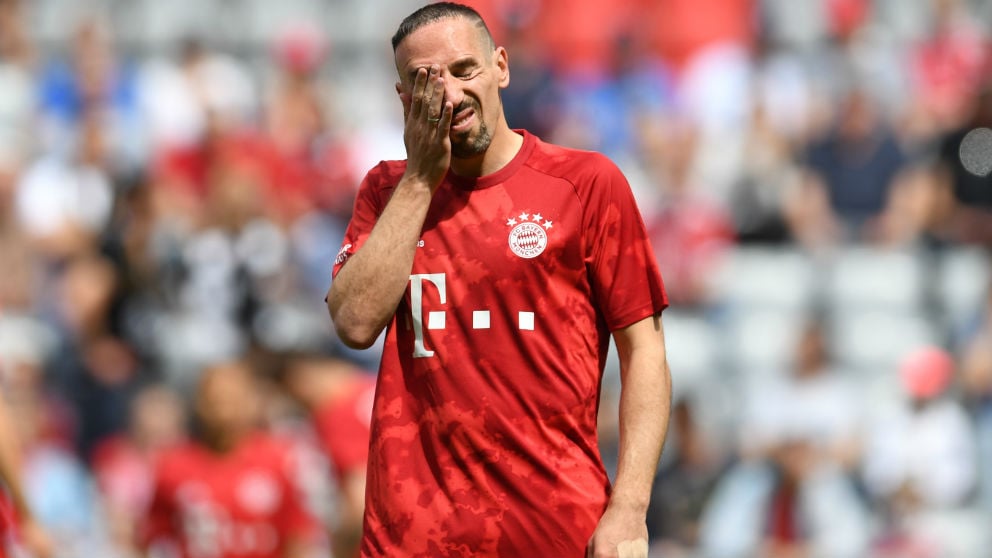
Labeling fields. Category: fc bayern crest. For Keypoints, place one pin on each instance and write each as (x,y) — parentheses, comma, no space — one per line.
(528,237)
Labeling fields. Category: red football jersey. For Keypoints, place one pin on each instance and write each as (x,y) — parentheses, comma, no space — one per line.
(242,504)
(342,424)
(123,474)
(484,423)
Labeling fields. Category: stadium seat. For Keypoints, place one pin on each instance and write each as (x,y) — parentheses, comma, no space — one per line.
(872,279)
(163,24)
(781,278)
(963,284)
(266,19)
(875,342)
(53,21)
(762,341)
(691,344)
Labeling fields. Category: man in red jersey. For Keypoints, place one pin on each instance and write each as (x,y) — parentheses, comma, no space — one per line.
(501,265)
(231,494)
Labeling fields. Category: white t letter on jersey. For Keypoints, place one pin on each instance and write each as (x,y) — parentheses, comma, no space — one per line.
(417,308)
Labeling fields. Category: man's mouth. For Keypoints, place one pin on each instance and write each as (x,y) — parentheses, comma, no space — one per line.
(462,120)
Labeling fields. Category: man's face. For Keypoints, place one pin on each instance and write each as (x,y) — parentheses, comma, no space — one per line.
(228,401)
(473,73)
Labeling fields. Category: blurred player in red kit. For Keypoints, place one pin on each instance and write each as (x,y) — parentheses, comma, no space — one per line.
(338,397)
(230,494)
(499,265)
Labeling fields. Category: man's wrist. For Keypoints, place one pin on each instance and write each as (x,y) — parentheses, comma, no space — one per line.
(629,505)
(416,185)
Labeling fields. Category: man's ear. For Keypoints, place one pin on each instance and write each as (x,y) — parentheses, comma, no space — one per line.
(405,98)
(503,65)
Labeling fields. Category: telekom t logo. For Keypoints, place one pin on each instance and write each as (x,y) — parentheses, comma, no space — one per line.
(417,306)
(436,319)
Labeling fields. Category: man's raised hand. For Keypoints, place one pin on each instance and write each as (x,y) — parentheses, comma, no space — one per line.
(426,128)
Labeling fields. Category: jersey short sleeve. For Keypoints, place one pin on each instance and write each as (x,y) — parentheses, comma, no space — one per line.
(369,204)
(623,273)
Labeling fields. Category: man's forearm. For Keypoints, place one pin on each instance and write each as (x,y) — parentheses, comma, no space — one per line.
(645,402)
(364,295)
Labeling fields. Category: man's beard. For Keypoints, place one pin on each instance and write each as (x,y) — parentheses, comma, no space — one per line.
(467,146)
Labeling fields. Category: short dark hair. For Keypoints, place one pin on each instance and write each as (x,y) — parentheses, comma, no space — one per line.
(436,12)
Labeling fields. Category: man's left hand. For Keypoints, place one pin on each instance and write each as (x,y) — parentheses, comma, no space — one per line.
(620,534)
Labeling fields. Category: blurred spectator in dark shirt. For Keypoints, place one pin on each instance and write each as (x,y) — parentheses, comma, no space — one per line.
(683,487)
(963,212)
(768,175)
(530,103)
(856,167)
(94,367)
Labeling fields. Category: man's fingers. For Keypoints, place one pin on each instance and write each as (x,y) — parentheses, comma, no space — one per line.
(419,83)
(446,114)
(430,92)
(436,98)
(633,549)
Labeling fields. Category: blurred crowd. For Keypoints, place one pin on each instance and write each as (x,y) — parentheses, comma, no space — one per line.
(167,206)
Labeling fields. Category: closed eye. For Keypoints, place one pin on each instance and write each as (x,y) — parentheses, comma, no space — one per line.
(464,69)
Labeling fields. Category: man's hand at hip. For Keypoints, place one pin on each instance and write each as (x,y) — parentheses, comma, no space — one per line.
(620,534)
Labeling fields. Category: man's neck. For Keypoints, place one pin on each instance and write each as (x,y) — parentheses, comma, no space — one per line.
(504,147)
(224,442)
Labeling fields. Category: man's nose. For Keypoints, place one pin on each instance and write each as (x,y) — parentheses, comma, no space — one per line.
(452,91)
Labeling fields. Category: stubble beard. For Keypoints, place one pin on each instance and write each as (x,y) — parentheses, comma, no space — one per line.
(469,146)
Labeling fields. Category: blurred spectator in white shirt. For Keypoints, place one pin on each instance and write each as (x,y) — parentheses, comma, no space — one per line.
(816,402)
(925,443)
(179,98)
(791,494)
(789,504)
(920,462)
(64,203)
